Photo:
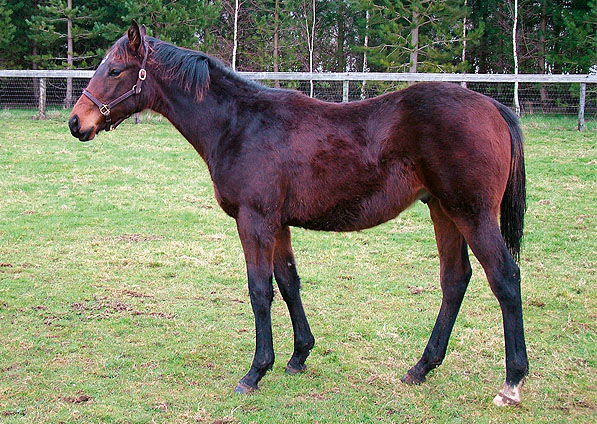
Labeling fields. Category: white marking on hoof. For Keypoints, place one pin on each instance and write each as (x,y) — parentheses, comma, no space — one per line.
(508,396)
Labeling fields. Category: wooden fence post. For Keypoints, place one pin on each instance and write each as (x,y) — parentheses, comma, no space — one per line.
(41,114)
(345,91)
(581,106)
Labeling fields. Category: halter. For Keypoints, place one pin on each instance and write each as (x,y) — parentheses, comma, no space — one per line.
(105,109)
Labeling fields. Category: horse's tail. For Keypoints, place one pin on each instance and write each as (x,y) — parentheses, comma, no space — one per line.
(514,203)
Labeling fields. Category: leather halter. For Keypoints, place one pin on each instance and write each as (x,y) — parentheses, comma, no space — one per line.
(105,109)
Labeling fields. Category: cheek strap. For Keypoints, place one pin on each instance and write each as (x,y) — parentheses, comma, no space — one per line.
(105,109)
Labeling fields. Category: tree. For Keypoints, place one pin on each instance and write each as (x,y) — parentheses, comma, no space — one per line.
(276,53)
(553,36)
(307,13)
(310,19)
(7,29)
(575,50)
(50,29)
(418,35)
(365,46)
(237,5)
(186,23)
(515,57)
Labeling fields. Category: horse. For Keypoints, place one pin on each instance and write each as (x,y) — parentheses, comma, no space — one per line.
(280,159)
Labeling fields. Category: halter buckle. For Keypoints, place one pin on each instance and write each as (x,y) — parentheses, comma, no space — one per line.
(142,74)
(104,110)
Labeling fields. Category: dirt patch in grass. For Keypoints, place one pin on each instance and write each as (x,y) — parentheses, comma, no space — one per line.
(11,413)
(104,308)
(81,398)
(133,293)
(134,238)
(13,367)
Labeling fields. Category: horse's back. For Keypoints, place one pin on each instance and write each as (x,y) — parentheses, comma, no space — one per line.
(352,166)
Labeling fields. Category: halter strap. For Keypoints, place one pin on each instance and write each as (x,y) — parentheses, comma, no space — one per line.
(105,109)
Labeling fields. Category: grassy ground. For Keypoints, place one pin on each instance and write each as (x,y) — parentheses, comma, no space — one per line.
(123,294)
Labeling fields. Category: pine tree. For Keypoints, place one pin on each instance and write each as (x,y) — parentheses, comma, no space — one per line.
(7,29)
(414,36)
(554,36)
(186,23)
(576,47)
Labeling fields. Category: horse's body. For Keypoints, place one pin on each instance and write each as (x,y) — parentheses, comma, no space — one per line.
(278,158)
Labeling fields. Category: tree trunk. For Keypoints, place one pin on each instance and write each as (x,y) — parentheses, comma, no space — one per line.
(464,36)
(34,65)
(515,54)
(366,45)
(463,83)
(235,40)
(541,53)
(341,59)
(276,31)
(68,100)
(310,31)
(414,42)
(311,48)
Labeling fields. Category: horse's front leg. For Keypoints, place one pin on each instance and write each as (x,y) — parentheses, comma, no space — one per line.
(257,238)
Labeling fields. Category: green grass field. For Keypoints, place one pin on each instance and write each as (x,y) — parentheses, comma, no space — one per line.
(123,295)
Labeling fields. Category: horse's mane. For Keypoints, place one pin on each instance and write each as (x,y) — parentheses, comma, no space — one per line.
(189,69)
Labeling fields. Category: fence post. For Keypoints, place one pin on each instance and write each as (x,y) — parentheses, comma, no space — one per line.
(42,99)
(581,106)
(516,101)
(345,91)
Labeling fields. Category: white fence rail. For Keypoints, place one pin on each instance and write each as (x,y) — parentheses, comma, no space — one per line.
(538,93)
(342,76)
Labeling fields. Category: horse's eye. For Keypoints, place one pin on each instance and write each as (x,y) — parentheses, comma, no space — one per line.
(114,72)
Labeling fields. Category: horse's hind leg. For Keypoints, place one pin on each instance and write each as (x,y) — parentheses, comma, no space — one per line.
(486,242)
(289,284)
(455,273)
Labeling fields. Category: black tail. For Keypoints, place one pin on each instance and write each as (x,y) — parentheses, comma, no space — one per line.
(514,203)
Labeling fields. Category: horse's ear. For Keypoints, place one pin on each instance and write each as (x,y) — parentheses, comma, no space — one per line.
(143,31)
(135,37)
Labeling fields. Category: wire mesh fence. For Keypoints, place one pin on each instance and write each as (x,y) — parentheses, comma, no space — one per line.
(23,93)
(538,97)
(534,98)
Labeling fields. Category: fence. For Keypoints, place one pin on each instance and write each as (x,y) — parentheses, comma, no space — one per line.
(537,94)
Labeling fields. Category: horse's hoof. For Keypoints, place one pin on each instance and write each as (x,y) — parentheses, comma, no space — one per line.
(411,379)
(508,396)
(243,389)
(294,370)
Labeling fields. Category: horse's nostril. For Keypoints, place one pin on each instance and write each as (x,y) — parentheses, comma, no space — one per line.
(73,124)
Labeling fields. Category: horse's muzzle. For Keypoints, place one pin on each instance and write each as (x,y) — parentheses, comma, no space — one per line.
(75,129)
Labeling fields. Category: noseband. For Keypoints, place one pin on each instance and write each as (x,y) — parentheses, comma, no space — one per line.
(105,109)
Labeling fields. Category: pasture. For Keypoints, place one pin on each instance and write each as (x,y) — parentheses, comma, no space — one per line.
(123,294)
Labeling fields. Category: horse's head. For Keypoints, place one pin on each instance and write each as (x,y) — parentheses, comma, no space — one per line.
(113,94)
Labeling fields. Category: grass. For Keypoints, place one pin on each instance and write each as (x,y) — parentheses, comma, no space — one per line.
(123,295)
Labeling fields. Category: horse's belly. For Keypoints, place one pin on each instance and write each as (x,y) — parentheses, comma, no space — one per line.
(356,214)
(342,218)
(354,199)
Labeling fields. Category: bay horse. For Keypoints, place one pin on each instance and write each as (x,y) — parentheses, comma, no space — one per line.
(278,159)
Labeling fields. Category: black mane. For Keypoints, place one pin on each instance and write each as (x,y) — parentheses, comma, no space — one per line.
(189,69)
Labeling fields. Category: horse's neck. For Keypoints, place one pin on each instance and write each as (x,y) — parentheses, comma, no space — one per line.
(202,123)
